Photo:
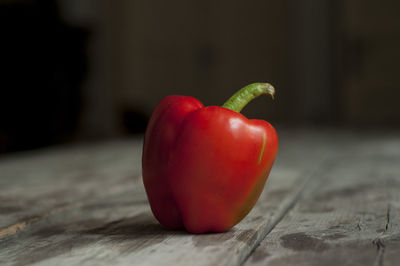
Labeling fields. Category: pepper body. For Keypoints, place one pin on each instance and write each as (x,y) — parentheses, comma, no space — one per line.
(204,167)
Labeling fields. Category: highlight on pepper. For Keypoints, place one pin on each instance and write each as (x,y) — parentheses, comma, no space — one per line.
(204,167)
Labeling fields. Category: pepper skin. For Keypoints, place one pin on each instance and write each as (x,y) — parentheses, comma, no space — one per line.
(204,168)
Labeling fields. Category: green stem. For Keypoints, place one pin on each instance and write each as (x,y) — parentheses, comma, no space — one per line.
(239,100)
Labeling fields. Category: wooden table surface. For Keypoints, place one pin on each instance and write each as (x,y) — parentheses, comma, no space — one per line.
(333,198)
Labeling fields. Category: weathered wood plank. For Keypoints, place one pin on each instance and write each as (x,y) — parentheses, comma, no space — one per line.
(119,228)
(349,215)
(35,185)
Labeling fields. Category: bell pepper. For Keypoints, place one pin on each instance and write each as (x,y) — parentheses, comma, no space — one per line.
(204,168)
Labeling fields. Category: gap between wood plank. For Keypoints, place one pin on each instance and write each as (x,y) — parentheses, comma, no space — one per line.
(292,202)
(263,228)
(380,249)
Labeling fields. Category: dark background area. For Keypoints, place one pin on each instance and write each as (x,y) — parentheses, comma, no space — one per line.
(94,70)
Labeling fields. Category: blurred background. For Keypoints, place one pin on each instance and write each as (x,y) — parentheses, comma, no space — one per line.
(86,70)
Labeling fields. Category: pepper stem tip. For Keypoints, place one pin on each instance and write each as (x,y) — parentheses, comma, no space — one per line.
(242,97)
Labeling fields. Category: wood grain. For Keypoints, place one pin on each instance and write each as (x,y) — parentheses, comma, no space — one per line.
(118,227)
(35,185)
(330,195)
(349,215)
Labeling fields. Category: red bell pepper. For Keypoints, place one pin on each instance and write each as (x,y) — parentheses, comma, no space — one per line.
(204,168)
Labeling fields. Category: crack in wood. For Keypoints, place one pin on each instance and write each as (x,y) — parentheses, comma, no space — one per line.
(380,246)
(387,217)
(378,242)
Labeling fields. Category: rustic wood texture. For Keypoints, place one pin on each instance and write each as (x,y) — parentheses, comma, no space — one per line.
(348,215)
(36,184)
(331,197)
